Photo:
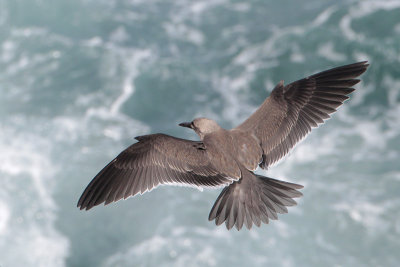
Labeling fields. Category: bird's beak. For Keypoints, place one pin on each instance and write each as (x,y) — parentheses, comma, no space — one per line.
(186,124)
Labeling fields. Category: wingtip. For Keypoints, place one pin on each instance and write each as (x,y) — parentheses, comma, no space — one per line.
(81,207)
(299,186)
(84,206)
(360,63)
(364,64)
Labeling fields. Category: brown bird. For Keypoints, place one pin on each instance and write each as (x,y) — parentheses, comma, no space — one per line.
(227,158)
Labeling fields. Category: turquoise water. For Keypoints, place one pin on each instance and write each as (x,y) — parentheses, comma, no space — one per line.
(80,78)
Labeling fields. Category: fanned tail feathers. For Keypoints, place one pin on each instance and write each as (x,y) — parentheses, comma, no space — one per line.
(252,200)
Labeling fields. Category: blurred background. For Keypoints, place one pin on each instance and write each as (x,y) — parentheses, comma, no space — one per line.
(79,79)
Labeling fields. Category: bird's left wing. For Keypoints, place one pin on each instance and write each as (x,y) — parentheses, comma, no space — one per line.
(156,159)
(291,111)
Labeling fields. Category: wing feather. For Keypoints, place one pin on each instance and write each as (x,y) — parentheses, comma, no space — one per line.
(154,160)
(291,111)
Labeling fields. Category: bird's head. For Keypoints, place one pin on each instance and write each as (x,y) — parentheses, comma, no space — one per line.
(202,126)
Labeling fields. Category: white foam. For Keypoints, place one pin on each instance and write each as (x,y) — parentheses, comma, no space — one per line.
(199,7)
(119,35)
(21,156)
(349,33)
(322,242)
(324,16)
(396,28)
(153,245)
(132,69)
(362,9)
(392,119)
(107,116)
(184,32)
(308,152)
(297,57)
(4,217)
(93,42)
(371,6)
(327,50)
(240,7)
(393,86)
(181,246)
(234,108)
(4,13)
(25,165)
(7,51)
(361,56)
(365,213)
(371,132)
(27,161)
(273,45)
(25,61)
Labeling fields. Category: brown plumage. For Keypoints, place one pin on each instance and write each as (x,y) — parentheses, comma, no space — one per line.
(227,158)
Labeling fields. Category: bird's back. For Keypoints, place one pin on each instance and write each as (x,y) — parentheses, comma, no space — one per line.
(221,151)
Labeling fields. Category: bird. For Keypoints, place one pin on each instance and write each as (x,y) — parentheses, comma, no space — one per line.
(227,159)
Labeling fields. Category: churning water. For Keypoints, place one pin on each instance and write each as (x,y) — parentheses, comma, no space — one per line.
(80,78)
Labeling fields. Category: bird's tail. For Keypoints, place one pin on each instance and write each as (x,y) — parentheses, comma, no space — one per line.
(253,199)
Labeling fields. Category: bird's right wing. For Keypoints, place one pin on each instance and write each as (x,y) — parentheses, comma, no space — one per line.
(290,112)
(156,159)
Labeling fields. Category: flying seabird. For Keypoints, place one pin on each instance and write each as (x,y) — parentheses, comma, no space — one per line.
(228,158)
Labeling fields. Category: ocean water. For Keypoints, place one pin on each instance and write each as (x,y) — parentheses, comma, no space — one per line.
(80,78)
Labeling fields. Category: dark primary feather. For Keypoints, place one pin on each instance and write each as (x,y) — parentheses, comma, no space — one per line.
(156,159)
(291,111)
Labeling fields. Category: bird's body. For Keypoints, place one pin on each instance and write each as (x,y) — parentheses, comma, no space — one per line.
(227,158)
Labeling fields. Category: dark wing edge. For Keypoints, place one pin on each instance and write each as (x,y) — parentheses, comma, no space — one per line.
(290,113)
(155,160)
